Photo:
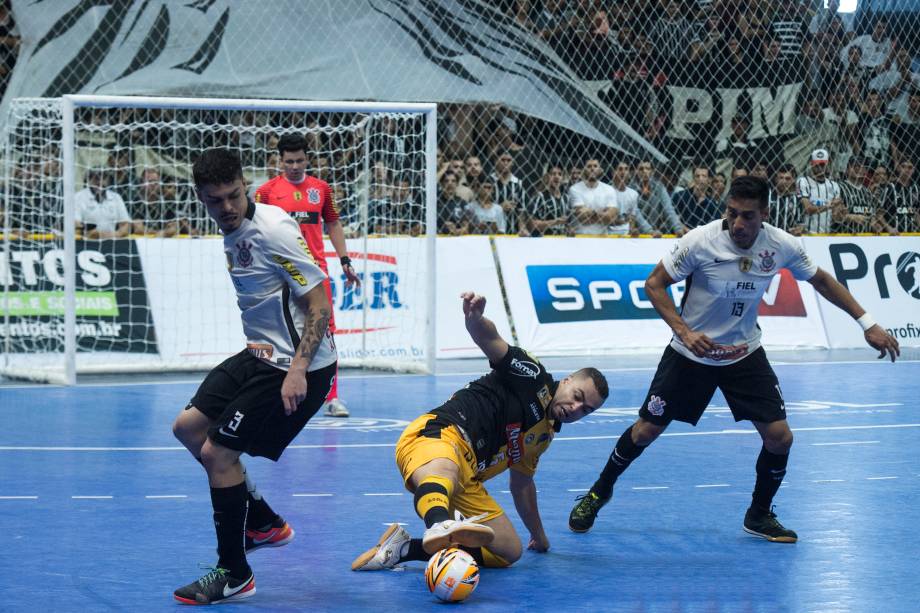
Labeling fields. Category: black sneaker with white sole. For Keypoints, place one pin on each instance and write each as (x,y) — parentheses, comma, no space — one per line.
(764,524)
(216,586)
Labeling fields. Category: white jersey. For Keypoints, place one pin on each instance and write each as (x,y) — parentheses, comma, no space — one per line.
(597,198)
(104,216)
(726,283)
(270,266)
(628,203)
(820,194)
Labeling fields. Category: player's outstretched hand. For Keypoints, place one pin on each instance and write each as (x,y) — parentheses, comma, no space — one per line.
(879,339)
(538,543)
(293,390)
(473,305)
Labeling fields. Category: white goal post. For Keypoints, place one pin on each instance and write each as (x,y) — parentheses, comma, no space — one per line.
(109,264)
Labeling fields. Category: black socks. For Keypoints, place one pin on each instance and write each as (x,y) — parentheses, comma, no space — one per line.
(623,454)
(230,505)
(771,468)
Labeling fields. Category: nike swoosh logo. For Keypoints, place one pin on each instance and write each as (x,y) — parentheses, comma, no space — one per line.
(265,540)
(228,591)
(718,261)
(221,430)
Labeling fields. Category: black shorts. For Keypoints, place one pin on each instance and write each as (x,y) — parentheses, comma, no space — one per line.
(682,389)
(242,396)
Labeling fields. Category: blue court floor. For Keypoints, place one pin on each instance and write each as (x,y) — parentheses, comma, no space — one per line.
(102,510)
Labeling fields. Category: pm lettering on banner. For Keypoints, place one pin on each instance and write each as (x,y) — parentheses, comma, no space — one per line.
(705,98)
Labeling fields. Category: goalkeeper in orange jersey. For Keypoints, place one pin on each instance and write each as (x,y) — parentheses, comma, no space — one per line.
(505,419)
(310,202)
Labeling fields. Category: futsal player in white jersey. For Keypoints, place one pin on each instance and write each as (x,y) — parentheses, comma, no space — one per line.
(258,400)
(728,264)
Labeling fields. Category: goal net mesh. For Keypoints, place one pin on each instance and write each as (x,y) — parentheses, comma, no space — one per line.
(152,291)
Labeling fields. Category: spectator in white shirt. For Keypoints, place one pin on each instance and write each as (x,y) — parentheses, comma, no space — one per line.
(876,47)
(594,203)
(818,194)
(100,212)
(486,217)
(627,203)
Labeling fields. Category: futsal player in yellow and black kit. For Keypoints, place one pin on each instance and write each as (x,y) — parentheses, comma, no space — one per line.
(505,419)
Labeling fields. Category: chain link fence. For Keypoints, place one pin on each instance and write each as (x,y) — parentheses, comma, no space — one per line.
(540,101)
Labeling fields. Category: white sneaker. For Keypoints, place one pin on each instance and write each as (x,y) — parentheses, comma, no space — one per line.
(336,408)
(450,532)
(386,553)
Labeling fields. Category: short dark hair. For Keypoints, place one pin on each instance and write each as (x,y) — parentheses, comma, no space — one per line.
(292,142)
(598,379)
(787,167)
(217,167)
(750,187)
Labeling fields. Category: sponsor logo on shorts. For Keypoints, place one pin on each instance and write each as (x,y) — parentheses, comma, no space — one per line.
(523,368)
(656,405)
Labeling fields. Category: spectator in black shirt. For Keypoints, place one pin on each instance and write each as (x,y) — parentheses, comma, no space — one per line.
(550,211)
(452,215)
(900,206)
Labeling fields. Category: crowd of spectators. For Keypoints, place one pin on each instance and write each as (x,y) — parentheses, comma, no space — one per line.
(503,172)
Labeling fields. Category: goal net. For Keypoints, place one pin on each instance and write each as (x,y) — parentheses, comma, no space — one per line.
(110,264)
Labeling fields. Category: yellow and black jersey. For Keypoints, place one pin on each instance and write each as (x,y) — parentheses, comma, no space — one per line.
(503,415)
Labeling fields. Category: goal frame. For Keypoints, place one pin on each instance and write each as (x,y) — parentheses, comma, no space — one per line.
(69,106)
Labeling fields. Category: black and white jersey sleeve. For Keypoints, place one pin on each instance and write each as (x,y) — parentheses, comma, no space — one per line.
(271,267)
(725,284)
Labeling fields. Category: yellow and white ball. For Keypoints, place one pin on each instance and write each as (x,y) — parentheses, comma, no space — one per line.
(452,574)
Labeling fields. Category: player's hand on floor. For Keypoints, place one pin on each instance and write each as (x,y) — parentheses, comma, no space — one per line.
(538,543)
(293,391)
(879,339)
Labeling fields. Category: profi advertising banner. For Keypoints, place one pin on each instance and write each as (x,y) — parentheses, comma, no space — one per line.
(578,296)
(883,273)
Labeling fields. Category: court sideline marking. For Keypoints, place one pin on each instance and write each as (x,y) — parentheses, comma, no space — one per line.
(370,445)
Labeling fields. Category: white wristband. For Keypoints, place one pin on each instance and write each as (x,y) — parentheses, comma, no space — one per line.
(866,321)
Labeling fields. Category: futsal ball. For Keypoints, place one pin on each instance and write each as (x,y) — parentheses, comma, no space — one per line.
(452,574)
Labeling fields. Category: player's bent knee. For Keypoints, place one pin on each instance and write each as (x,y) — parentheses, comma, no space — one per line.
(778,439)
(492,559)
(645,432)
(216,457)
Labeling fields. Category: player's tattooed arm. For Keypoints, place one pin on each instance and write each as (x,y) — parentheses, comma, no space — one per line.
(317,313)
